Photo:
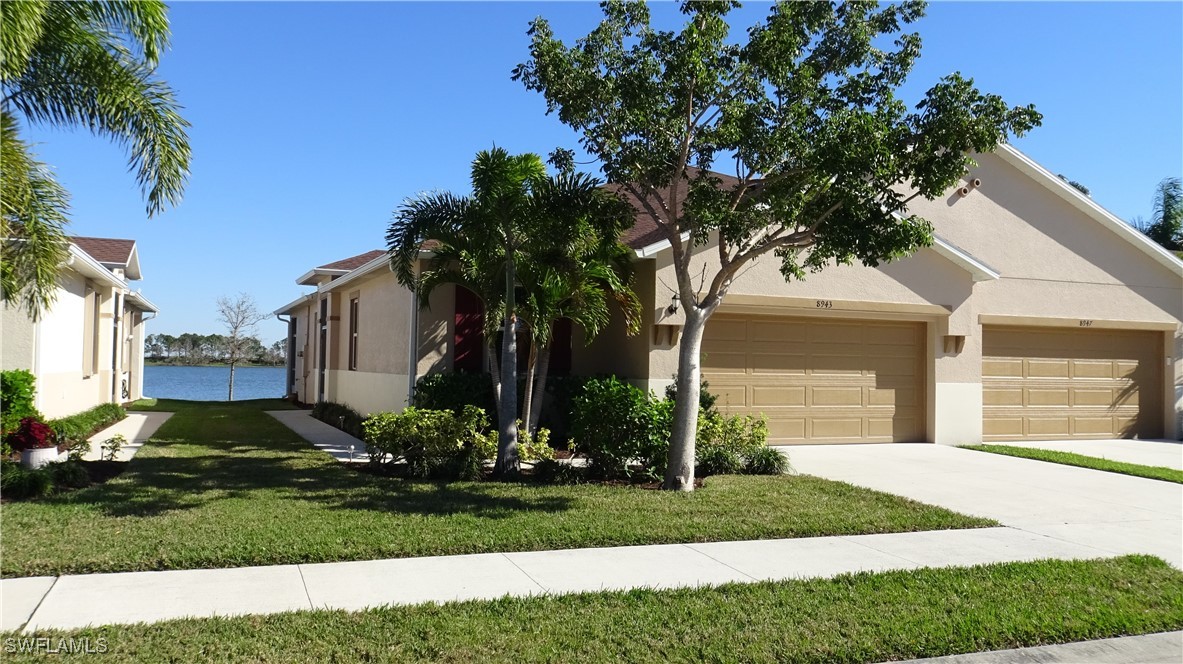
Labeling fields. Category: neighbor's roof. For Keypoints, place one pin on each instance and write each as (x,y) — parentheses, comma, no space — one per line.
(112,253)
(337,268)
(645,232)
(353,262)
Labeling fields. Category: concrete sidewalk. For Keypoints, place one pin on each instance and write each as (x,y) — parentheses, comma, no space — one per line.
(137,428)
(1161,648)
(1162,453)
(323,436)
(69,602)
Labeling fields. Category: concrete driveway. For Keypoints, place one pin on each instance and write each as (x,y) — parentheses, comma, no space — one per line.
(1164,453)
(1115,513)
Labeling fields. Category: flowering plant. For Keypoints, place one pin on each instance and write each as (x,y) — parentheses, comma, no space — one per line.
(32,434)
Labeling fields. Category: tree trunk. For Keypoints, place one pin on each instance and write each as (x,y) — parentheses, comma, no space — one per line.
(679,474)
(494,373)
(528,398)
(231,396)
(535,411)
(507,419)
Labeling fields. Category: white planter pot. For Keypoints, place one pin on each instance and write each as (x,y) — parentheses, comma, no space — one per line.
(35,458)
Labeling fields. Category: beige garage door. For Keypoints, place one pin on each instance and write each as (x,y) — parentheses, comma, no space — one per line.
(820,380)
(1052,383)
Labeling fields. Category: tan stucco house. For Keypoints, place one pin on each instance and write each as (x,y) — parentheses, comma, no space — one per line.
(88,347)
(1036,315)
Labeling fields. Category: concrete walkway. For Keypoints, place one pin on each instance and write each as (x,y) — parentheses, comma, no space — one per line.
(137,428)
(325,437)
(69,602)
(1164,453)
(1161,648)
(1118,514)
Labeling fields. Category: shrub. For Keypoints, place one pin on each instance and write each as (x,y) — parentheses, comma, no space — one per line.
(619,426)
(551,471)
(81,426)
(68,475)
(767,461)
(33,434)
(725,444)
(453,391)
(112,445)
(17,389)
(341,416)
(706,400)
(17,482)
(433,443)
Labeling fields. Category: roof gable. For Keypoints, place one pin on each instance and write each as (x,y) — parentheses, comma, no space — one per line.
(353,262)
(112,253)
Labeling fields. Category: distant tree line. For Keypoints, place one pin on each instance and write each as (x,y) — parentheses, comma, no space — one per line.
(190,348)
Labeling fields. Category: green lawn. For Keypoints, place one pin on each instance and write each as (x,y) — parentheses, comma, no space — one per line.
(226,485)
(1084,461)
(852,618)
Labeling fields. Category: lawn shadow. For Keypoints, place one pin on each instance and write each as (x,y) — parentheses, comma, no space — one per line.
(155,485)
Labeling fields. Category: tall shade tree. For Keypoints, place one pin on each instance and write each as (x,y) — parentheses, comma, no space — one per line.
(240,315)
(802,113)
(79,64)
(516,216)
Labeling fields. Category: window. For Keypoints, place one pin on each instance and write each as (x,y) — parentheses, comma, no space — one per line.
(353,334)
(90,332)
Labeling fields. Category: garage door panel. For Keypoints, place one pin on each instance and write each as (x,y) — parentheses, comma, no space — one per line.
(726,330)
(777,332)
(777,363)
(1048,397)
(821,380)
(837,428)
(830,333)
(836,396)
(777,396)
(1074,383)
(1009,396)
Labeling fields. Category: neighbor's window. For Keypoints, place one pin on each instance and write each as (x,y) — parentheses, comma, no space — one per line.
(353,334)
(90,332)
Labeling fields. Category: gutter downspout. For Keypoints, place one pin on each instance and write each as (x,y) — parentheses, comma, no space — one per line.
(413,347)
(289,361)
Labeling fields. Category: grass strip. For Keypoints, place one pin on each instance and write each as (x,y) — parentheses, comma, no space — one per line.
(1084,461)
(852,618)
(226,485)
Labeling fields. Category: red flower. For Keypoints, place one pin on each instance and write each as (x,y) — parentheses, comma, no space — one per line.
(32,434)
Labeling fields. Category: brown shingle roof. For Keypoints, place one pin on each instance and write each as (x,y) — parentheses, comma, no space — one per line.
(645,231)
(106,250)
(353,262)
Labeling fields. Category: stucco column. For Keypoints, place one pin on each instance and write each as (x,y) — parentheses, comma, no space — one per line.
(955,346)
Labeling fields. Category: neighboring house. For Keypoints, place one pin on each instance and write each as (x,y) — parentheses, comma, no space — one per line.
(88,347)
(1036,314)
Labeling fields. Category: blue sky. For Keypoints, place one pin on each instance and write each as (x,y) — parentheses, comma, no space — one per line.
(312,121)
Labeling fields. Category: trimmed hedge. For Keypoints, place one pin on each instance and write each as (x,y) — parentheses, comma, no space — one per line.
(81,426)
(341,416)
(453,391)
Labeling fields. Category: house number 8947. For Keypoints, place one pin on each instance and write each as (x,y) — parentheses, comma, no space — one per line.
(1086,323)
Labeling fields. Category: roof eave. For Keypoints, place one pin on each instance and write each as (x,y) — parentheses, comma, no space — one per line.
(356,273)
(963,259)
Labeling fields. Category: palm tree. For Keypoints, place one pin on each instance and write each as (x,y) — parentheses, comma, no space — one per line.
(1166,223)
(81,64)
(598,271)
(516,218)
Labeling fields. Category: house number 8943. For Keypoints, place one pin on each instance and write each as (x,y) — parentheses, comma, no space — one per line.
(825,304)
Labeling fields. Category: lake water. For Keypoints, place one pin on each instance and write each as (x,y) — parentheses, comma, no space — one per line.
(210,383)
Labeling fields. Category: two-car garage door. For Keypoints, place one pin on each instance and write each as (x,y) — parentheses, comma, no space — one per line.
(1056,383)
(820,380)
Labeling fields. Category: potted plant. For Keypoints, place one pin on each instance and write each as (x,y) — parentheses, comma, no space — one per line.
(36,443)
